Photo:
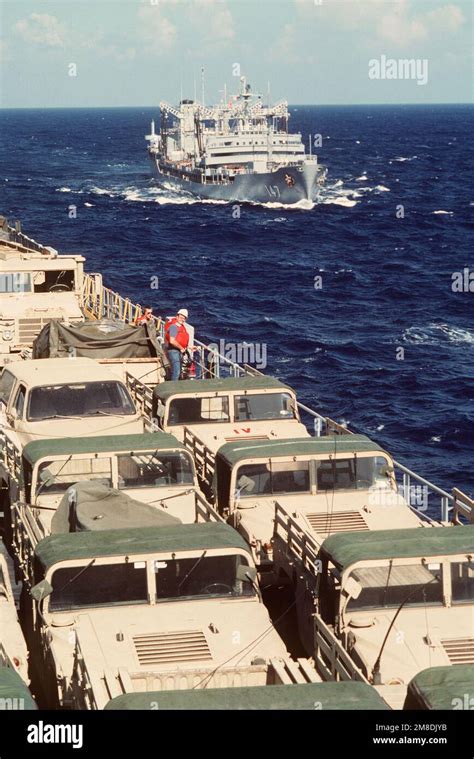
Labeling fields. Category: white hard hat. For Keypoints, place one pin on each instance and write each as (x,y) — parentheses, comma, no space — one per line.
(184,312)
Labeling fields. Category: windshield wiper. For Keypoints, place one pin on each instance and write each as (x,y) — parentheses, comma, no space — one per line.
(73,579)
(104,413)
(196,564)
(55,416)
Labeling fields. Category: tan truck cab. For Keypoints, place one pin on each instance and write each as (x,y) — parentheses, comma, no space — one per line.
(326,484)
(399,601)
(65,397)
(35,288)
(217,411)
(150,609)
(72,484)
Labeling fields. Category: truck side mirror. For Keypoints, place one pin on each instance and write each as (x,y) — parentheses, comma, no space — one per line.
(41,590)
(246,574)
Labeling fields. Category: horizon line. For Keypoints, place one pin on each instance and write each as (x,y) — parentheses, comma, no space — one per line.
(290,105)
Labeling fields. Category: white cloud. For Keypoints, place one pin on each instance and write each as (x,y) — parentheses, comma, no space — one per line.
(448,17)
(399,27)
(158,32)
(222,25)
(42,29)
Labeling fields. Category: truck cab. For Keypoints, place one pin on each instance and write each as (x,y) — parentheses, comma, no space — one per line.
(35,288)
(217,411)
(71,484)
(399,601)
(64,397)
(140,610)
(326,484)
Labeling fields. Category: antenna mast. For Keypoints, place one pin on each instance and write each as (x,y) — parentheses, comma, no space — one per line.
(202,86)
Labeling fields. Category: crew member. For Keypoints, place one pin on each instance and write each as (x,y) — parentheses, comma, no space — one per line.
(177,341)
(147,316)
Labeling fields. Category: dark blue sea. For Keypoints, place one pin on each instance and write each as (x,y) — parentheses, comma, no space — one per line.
(386,281)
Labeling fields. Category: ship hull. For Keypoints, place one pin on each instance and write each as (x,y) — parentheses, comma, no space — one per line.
(287,185)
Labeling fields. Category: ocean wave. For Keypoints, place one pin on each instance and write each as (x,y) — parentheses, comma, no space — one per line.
(63,189)
(404,158)
(438,333)
(445,213)
(362,178)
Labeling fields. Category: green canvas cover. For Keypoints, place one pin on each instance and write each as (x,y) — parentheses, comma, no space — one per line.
(442,688)
(240,450)
(145,441)
(137,541)
(13,687)
(337,696)
(91,505)
(165,390)
(98,339)
(348,548)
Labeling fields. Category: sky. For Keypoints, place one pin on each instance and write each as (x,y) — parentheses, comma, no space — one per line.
(98,53)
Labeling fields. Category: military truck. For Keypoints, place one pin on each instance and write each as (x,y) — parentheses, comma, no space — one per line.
(151,609)
(442,688)
(327,484)
(13,651)
(73,484)
(62,398)
(36,286)
(211,412)
(296,697)
(395,601)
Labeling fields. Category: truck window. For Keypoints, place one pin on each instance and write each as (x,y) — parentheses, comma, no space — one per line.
(55,281)
(154,469)
(205,576)
(7,380)
(355,473)
(84,399)
(248,408)
(15,282)
(272,479)
(199,410)
(462,578)
(388,586)
(57,476)
(20,401)
(98,585)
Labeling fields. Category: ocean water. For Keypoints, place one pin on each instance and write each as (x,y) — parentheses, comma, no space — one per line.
(381,342)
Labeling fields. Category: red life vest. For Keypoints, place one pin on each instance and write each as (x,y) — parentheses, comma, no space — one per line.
(182,337)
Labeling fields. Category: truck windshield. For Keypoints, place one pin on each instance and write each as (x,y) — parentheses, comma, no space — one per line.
(15,282)
(201,575)
(462,577)
(248,408)
(151,469)
(57,476)
(79,399)
(272,479)
(98,585)
(355,473)
(388,586)
(199,410)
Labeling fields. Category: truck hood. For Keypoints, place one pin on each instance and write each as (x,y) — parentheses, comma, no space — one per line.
(215,435)
(82,426)
(420,638)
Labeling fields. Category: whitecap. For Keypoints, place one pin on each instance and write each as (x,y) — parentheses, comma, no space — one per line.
(380,427)
(63,189)
(344,201)
(435,439)
(89,205)
(362,178)
(382,188)
(446,213)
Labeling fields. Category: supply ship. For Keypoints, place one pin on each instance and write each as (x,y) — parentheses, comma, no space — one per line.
(145,519)
(238,150)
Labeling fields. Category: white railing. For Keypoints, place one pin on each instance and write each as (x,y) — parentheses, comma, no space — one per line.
(331,659)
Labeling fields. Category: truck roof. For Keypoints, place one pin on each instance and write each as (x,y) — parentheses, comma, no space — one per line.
(39,449)
(241,450)
(139,541)
(60,371)
(165,390)
(348,548)
(437,687)
(342,695)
